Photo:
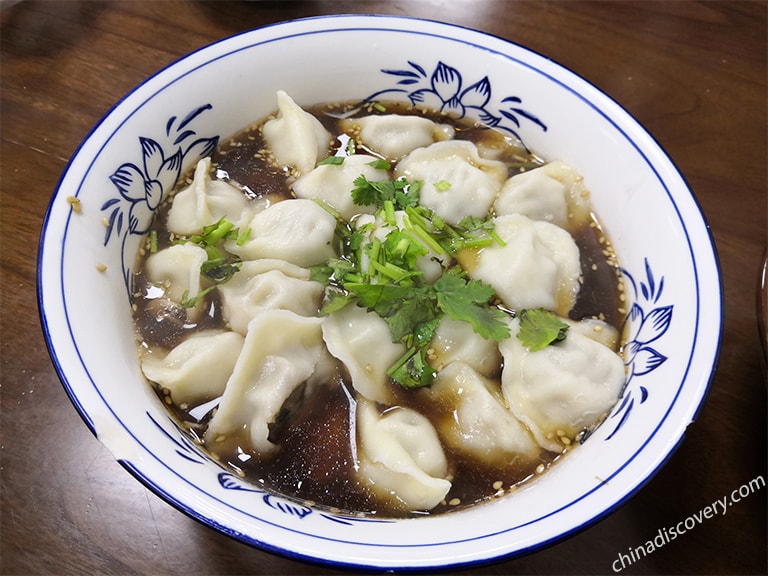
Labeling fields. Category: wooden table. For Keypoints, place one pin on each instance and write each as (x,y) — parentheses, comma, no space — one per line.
(694,73)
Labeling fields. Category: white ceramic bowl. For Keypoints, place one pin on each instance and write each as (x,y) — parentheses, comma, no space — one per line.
(653,220)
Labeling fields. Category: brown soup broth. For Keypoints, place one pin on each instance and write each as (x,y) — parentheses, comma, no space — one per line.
(315,462)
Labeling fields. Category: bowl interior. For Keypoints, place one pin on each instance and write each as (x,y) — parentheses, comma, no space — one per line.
(162,127)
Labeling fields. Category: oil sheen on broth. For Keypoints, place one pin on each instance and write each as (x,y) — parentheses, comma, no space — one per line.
(315,462)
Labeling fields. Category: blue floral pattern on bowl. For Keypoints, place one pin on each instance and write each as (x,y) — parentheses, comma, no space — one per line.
(444,90)
(646,322)
(143,185)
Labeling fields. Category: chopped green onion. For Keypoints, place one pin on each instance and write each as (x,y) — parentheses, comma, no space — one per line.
(243,238)
(492,233)
(217,231)
(419,227)
(472,243)
(188,302)
(389,213)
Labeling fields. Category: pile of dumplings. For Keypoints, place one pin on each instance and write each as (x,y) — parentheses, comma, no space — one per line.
(501,401)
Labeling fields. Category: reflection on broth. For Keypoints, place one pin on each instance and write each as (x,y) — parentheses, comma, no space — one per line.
(317,310)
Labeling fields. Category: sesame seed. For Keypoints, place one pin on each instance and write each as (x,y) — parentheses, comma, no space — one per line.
(497,485)
(101,267)
(540,469)
(74,203)
(454,502)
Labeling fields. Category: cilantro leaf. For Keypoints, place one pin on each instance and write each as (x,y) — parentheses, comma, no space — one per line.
(380,164)
(404,308)
(334,271)
(332,160)
(539,328)
(407,195)
(375,193)
(367,193)
(471,223)
(402,249)
(334,300)
(467,301)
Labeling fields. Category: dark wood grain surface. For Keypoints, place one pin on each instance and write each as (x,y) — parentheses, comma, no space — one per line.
(693,73)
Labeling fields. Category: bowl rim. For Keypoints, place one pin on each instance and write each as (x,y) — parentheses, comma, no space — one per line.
(287,552)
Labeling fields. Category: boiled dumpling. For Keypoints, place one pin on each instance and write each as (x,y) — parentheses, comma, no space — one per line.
(333,183)
(400,457)
(297,230)
(204,202)
(393,135)
(538,267)
(176,270)
(280,353)
(455,340)
(478,422)
(563,388)
(296,138)
(268,284)
(196,370)
(457,181)
(361,340)
(554,193)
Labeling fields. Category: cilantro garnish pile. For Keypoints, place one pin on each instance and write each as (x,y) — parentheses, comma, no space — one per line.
(382,275)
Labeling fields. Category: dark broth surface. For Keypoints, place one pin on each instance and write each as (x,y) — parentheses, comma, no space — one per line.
(315,460)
